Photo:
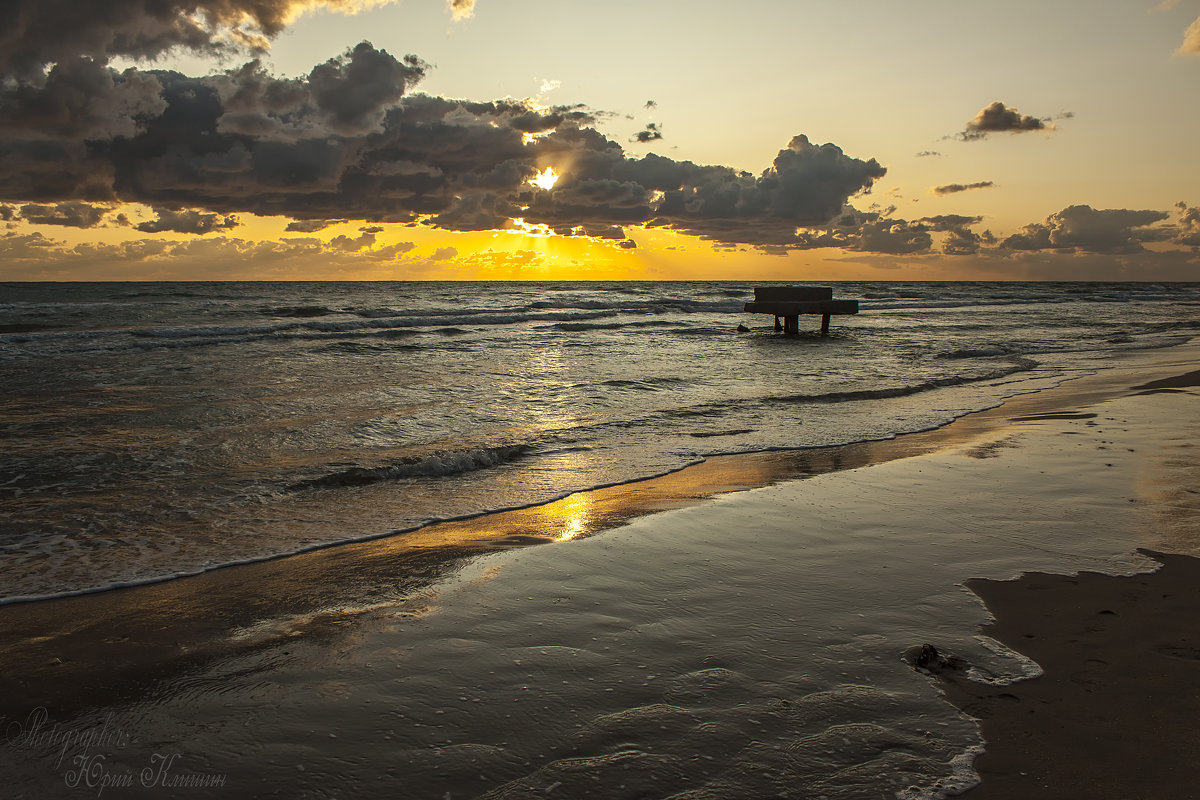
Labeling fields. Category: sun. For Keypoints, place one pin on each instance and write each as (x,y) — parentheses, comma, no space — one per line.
(545,179)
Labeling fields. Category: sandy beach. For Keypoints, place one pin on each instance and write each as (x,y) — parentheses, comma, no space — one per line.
(738,629)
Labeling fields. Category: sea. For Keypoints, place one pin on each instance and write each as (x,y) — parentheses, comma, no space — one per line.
(155,430)
(158,430)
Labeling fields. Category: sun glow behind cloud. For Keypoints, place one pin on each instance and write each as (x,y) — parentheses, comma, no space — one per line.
(545,179)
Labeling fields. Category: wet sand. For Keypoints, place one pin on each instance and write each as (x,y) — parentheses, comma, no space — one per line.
(746,644)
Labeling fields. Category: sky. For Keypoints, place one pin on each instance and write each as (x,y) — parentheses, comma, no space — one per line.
(556,139)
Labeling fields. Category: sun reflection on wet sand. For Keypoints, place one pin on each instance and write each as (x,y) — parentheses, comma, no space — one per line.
(571,516)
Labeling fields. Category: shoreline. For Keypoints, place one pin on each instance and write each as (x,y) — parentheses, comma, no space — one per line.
(113,650)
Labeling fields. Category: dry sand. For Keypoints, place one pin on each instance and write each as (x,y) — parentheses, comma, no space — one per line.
(1115,714)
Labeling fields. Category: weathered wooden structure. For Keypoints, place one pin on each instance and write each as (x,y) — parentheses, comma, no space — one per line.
(789,302)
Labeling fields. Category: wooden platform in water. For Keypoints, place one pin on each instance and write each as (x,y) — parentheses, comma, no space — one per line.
(789,302)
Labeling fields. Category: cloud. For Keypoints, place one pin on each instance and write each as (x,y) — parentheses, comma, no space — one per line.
(350,141)
(1089,230)
(999,118)
(82,99)
(245,141)
(311,225)
(880,233)
(41,32)
(444,254)
(651,104)
(461,9)
(72,214)
(393,250)
(897,237)
(352,244)
(36,257)
(354,91)
(347,95)
(187,221)
(1188,229)
(1191,39)
(807,185)
(928,153)
(651,133)
(952,188)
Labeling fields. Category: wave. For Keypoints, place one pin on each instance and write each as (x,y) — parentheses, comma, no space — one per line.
(713,434)
(649,306)
(110,339)
(299,311)
(452,463)
(1019,365)
(717,409)
(645,385)
(614,326)
(975,352)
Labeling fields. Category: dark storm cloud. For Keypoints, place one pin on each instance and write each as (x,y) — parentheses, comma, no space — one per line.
(187,221)
(1089,230)
(999,118)
(72,214)
(456,165)
(953,188)
(349,141)
(82,99)
(350,95)
(354,91)
(807,185)
(40,32)
(477,212)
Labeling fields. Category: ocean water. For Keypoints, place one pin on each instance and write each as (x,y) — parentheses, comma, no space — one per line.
(152,430)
